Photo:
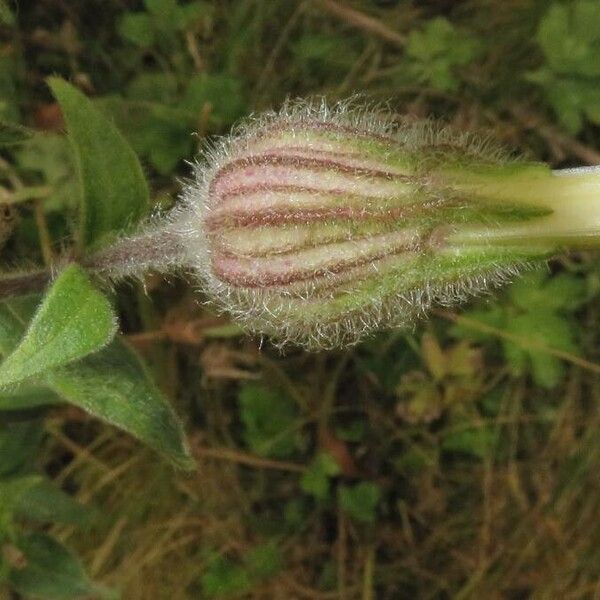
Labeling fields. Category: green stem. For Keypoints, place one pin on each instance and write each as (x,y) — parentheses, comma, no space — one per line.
(571,197)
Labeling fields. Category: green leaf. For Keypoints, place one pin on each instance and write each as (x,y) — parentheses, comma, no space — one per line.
(114,386)
(360,501)
(547,370)
(567,98)
(569,36)
(188,14)
(269,421)
(565,291)
(111,384)
(52,572)
(528,291)
(114,191)
(153,86)
(415,459)
(156,131)
(44,502)
(225,578)
(73,320)
(437,50)
(161,9)
(13,324)
(316,479)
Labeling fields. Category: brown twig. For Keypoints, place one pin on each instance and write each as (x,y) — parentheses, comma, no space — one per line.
(24,283)
(250,460)
(362,21)
(277,48)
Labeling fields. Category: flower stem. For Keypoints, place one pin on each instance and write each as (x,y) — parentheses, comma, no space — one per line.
(572,200)
(159,249)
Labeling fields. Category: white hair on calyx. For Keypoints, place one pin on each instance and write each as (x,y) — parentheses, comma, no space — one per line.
(319,224)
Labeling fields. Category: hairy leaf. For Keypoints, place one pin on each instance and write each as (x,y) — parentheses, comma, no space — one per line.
(113,385)
(114,190)
(73,320)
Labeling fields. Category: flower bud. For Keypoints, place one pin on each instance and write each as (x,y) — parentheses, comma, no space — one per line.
(317,226)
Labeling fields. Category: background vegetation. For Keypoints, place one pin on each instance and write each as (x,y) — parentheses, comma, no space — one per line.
(457,460)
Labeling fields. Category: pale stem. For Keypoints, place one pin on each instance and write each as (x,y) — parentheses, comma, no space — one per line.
(573,196)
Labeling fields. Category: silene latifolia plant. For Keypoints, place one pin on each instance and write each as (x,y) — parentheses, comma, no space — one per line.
(317,225)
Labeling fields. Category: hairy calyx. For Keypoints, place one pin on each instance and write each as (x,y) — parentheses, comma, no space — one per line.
(319,225)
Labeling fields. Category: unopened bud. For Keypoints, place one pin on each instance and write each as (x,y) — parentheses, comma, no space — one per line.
(318,226)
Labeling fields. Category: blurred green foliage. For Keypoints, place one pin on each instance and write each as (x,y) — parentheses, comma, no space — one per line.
(269,420)
(569,36)
(316,480)
(160,22)
(360,501)
(456,460)
(437,51)
(225,578)
(539,309)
